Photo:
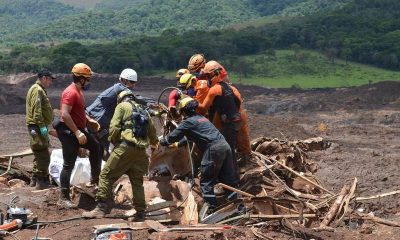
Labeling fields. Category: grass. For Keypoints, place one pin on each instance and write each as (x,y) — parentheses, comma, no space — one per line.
(308,69)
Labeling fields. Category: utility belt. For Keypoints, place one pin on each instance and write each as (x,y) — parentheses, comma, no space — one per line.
(225,119)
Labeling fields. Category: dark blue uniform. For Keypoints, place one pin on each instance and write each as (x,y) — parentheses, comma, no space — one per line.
(217,161)
(102,109)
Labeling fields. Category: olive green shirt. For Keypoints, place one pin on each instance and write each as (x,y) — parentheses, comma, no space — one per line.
(38,107)
(121,127)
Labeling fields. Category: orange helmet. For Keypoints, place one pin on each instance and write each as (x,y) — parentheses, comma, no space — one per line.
(81,69)
(180,72)
(211,68)
(196,63)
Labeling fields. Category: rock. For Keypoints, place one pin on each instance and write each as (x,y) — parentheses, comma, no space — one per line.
(3,180)
(16,183)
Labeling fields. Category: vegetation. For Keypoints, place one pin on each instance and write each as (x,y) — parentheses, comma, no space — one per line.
(305,69)
(111,19)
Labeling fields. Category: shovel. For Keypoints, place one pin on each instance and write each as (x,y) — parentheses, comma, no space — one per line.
(161,228)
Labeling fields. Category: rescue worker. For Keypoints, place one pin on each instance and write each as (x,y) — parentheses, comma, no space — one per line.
(131,131)
(193,87)
(173,96)
(71,130)
(196,65)
(216,163)
(102,109)
(243,139)
(225,104)
(39,115)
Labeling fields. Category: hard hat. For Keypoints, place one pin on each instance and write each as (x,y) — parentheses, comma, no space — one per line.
(128,74)
(186,81)
(211,68)
(196,63)
(124,94)
(81,69)
(188,104)
(180,72)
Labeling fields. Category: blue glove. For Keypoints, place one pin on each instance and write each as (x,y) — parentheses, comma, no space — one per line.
(164,142)
(44,131)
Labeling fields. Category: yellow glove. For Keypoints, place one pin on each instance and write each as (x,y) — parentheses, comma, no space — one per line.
(174,145)
(94,125)
(81,137)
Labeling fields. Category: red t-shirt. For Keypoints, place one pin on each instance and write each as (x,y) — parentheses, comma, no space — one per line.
(72,97)
(172,98)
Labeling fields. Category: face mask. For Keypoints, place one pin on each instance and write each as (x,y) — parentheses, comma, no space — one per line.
(209,82)
(85,86)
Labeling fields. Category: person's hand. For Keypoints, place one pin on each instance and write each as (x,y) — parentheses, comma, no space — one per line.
(174,145)
(53,132)
(44,131)
(94,125)
(81,137)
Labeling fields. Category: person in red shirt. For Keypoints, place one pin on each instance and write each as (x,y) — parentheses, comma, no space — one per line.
(71,130)
(174,96)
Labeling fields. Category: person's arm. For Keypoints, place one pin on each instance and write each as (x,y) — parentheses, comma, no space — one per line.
(177,134)
(67,119)
(115,125)
(208,101)
(36,104)
(152,133)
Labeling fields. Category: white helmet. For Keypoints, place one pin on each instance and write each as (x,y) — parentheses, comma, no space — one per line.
(128,74)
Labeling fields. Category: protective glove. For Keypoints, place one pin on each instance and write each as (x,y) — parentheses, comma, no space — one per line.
(44,131)
(81,137)
(164,142)
(94,125)
(174,145)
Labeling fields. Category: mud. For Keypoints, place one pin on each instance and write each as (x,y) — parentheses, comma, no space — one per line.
(362,123)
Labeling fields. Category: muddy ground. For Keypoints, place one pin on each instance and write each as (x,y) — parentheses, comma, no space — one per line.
(362,124)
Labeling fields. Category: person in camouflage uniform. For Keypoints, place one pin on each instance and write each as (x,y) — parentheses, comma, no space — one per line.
(128,156)
(39,114)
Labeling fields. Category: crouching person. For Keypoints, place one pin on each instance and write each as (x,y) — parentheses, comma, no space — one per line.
(217,161)
(131,131)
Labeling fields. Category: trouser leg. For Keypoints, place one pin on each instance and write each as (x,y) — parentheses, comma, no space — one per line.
(70,147)
(230,133)
(226,174)
(95,158)
(115,167)
(40,149)
(209,177)
(136,173)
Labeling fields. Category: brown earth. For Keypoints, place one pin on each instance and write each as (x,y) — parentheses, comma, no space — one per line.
(362,123)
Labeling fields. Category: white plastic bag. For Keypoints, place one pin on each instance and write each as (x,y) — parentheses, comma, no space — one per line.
(80,174)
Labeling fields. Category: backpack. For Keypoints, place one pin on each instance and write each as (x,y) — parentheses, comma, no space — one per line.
(140,120)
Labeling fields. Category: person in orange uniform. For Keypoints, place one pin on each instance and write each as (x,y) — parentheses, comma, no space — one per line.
(193,87)
(226,106)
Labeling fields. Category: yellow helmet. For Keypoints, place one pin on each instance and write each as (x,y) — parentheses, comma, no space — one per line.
(81,69)
(180,72)
(186,81)
(196,63)
(184,102)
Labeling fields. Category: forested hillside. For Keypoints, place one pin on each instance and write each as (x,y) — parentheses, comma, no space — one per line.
(22,15)
(113,19)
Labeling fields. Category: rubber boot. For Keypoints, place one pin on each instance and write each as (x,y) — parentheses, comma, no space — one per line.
(139,216)
(33,181)
(99,212)
(41,183)
(65,201)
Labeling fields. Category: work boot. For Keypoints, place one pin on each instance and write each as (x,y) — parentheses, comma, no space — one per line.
(99,212)
(41,183)
(139,216)
(65,201)
(33,181)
